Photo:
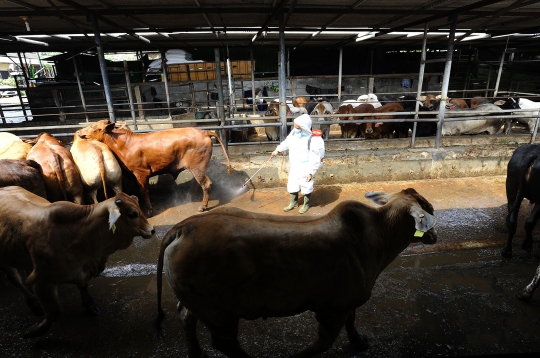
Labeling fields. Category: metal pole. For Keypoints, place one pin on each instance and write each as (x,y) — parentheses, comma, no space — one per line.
(282,81)
(446,79)
(221,112)
(103,68)
(21,99)
(340,73)
(420,82)
(166,80)
(24,70)
(288,62)
(499,74)
(130,96)
(79,84)
(2,114)
(231,88)
(253,81)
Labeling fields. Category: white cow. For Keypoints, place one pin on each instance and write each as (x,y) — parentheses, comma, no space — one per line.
(477,126)
(97,165)
(323,109)
(527,117)
(12,147)
(365,98)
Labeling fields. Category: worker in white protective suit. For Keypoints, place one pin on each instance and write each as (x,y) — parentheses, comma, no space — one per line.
(306,153)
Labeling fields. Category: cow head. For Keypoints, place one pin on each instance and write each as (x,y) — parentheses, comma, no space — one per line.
(97,130)
(413,204)
(126,214)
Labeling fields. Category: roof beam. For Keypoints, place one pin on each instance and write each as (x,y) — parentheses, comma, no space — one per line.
(276,10)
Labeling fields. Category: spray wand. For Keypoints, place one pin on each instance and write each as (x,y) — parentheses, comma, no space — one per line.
(262,166)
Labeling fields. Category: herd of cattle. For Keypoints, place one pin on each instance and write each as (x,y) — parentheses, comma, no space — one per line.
(256,265)
(370,109)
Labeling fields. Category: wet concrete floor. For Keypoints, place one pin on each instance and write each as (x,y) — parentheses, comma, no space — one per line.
(454,298)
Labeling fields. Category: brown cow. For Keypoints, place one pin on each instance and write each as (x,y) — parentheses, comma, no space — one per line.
(231,264)
(62,243)
(374,130)
(23,173)
(168,151)
(272,133)
(351,130)
(60,173)
(477,100)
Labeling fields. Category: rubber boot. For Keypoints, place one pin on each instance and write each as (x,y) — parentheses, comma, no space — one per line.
(294,202)
(305,207)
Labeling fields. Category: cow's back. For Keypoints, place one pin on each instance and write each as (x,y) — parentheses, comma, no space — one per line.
(21,214)
(258,262)
(23,173)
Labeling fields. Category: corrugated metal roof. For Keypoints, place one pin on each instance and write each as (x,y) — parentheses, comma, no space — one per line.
(163,24)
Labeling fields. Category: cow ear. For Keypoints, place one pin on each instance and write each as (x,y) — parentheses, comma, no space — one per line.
(423,220)
(109,127)
(114,214)
(378,197)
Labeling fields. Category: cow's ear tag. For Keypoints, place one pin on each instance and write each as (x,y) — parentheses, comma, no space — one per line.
(419,233)
(113,229)
(376,125)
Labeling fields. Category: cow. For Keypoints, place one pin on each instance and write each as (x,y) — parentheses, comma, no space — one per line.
(12,147)
(232,264)
(423,129)
(62,242)
(58,169)
(97,165)
(489,125)
(529,118)
(369,98)
(23,173)
(167,151)
(478,100)
(323,109)
(374,130)
(522,182)
(348,130)
(272,133)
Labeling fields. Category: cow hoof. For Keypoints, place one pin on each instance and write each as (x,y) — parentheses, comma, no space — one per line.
(524,296)
(202,208)
(93,310)
(360,343)
(506,253)
(34,331)
(527,246)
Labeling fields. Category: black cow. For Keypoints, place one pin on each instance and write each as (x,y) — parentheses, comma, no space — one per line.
(522,182)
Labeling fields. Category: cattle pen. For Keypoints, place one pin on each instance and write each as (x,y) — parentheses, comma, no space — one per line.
(245,70)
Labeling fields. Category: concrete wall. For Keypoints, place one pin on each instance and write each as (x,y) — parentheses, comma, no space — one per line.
(361,161)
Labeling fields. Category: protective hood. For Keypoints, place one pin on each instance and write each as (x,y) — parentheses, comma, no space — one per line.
(304,121)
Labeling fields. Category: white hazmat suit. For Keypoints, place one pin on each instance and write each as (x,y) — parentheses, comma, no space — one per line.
(302,161)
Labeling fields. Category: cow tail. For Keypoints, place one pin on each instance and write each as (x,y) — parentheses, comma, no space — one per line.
(102,172)
(60,174)
(167,240)
(213,134)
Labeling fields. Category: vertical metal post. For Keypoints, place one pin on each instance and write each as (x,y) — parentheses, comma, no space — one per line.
(231,88)
(420,82)
(340,73)
(79,84)
(446,79)
(253,81)
(24,70)
(282,81)
(2,114)
(499,74)
(21,99)
(288,62)
(130,96)
(488,82)
(221,112)
(166,81)
(103,68)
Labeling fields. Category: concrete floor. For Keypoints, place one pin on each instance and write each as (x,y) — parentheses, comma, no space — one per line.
(454,298)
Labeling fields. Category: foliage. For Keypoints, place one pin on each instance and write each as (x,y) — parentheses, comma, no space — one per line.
(8,82)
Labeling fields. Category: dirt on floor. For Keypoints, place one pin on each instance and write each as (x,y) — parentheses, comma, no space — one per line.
(454,298)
